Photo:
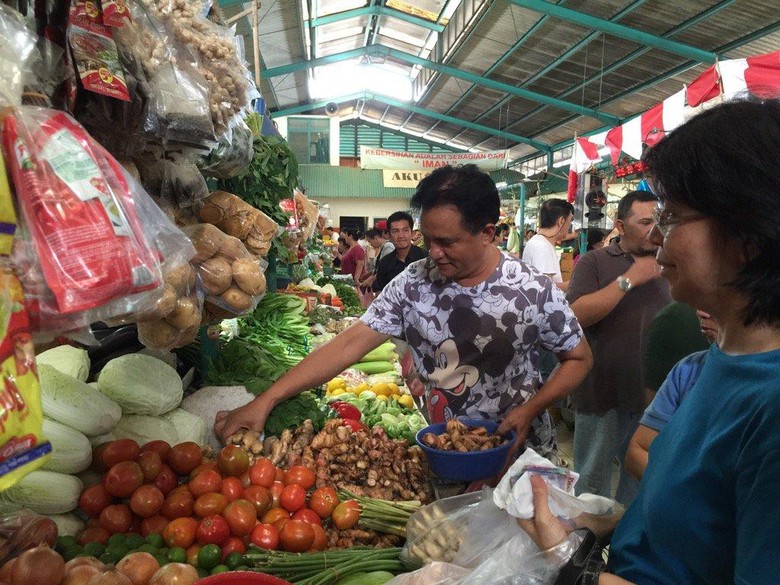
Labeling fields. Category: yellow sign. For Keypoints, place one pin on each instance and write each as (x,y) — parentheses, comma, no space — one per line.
(409,179)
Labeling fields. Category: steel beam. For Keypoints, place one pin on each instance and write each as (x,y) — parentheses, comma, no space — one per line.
(381,50)
(414,110)
(694,20)
(377,11)
(618,30)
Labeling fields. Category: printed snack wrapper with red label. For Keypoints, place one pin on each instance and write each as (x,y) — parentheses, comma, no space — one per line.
(92,243)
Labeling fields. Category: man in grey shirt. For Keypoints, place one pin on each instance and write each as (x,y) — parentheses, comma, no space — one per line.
(615,293)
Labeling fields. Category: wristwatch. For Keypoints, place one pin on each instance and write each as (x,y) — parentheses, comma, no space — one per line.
(624,283)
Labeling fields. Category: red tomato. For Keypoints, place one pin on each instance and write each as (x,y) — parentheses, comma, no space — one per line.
(162,448)
(208,465)
(307,515)
(293,497)
(178,505)
(276,493)
(281,475)
(180,532)
(296,536)
(146,501)
(233,460)
(165,480)
(213,530)
(209,504)
(265,536)
(123,479)
(192,554)
(262,473)
(346,514)
(301,475)
(185,457)
(231,545)
(274,514)
(241,516)
(94,499)
(246,481)
(97,457)
(205,482)
(323,501)
(320,538)
(280,523)
(135,525)
(260,497)
(151,465)
(232,488)
(153,524)
(94,534)
(181,489)
(116,518)
(120,450)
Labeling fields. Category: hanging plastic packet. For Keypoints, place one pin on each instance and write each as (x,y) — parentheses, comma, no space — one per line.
(94,52)
(115,13)
(83,232)
(17,47)
(22,445)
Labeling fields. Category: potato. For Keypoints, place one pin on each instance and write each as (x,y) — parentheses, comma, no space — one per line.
(164,305)
(186,314)
(237,226)
(216,275)
(237,299)
(207,240)
(181,277)
(248,276)
(158,334)
(212,313)
(233,248)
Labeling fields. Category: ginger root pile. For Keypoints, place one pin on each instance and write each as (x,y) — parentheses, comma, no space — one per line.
(459,437)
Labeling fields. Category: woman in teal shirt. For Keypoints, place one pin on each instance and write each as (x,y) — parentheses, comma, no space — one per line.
(707,509)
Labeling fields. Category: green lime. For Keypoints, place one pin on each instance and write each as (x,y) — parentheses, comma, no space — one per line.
(242,568)
(148,548)
(134,540)
(209,556)
(118,549)
(162,560)
(155,539)
(65,542)
(177,555)
(108,558)
(163,551)
(94,549)
(234,560)
(202,572)
(72,552)
(219,569)
(116,539)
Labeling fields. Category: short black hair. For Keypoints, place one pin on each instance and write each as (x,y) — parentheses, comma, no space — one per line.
(472,192)
(625,204)
(400,216)
(552,210)
(353,233)
(373,233)
(595,235)
(724,163)
(502,227)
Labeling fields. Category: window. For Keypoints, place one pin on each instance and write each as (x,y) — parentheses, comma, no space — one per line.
(309,139)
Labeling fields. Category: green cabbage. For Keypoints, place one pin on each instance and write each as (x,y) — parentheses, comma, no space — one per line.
(67,524)
(142,429)
(70,449)
(45,492)
(76,404)
(68,360)
(141,384)
(189,427)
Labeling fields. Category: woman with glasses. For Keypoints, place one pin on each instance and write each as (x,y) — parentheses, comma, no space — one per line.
(707,509)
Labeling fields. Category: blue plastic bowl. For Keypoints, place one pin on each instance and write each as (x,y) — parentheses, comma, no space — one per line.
(469,466)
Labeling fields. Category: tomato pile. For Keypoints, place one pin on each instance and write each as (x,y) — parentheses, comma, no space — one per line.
(173,498)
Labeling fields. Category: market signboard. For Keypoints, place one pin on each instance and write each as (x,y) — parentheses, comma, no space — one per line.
(382,158)
(406,178)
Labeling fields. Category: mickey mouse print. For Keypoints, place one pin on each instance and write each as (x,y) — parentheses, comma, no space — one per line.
(477,348)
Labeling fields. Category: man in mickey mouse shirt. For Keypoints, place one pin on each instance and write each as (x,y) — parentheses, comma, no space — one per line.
(474,318)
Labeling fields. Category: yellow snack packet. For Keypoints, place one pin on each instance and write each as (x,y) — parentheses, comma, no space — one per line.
(7,213)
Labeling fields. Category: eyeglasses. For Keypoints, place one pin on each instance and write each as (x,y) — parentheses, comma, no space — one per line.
(666,220)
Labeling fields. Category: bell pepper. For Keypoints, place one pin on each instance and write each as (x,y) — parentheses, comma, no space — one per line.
(345,410)
(354,425)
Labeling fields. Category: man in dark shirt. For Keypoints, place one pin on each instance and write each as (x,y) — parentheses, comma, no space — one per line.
(393,264)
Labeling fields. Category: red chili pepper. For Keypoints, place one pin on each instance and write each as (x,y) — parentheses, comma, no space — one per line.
(355,425)
(346,410)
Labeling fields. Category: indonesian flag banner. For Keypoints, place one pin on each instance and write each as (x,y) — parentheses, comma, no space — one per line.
(726,80)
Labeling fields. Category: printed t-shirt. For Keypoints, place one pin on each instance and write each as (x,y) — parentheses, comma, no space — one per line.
(477,348)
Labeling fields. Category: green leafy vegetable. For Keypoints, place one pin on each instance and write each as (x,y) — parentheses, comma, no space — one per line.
(293,411)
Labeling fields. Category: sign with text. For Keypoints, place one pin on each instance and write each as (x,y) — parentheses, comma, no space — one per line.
(381,158)
(403,178)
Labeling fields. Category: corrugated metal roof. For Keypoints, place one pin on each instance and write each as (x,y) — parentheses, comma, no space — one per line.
(500,42)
